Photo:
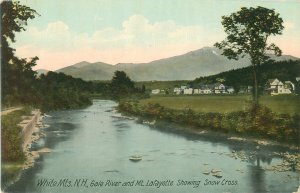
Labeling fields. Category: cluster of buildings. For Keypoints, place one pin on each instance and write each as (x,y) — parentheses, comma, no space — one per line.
(217,88)
(272,87)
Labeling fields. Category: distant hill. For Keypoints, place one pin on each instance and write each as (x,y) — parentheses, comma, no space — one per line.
(202,62)
(90,71)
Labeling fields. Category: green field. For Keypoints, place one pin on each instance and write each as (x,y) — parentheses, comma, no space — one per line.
(222,103)
(150,85)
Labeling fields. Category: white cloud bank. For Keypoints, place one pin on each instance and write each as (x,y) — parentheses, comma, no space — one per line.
(138,40)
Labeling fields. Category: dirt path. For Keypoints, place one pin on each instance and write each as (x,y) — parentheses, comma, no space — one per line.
(7,111)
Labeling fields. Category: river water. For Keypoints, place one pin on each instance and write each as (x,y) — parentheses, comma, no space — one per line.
(91,148)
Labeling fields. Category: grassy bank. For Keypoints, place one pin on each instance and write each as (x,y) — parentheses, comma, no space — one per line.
(11,145)
(225,103)
(11,139)
(256,121)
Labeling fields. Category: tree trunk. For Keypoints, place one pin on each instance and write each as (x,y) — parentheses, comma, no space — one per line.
(255,91)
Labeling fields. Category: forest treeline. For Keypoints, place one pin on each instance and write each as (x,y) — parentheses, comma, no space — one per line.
(53,91)
(238,78)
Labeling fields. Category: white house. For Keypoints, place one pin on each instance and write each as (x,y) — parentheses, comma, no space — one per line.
(204,89)
(177,90)
(197,91)
(188,91)
(155,91)
(276,87)
(219,88)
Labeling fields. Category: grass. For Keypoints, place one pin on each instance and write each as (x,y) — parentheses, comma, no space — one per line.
(150,85)
(282,103)
(11,167)
(11,139)
(14,118)
(225,103)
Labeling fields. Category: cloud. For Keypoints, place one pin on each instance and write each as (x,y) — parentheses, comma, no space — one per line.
(138,40)
(289,25)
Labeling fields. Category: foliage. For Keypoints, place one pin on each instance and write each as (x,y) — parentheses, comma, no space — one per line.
(247,33)
(60,91)
(16,74)
(122,86)
(256,121)
(11,140)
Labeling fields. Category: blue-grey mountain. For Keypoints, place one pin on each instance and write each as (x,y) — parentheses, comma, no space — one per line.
(202,62)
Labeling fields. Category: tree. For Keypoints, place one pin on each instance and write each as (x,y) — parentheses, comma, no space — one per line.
(16,74)
(121,85)
(143,90)
(247,33)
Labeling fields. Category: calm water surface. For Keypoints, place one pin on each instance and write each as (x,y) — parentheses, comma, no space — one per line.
(94,144)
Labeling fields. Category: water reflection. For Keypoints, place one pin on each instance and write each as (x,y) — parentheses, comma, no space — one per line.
(257,177)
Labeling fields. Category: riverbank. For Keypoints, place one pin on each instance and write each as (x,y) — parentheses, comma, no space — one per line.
(257,124)
(192,131)
(28,131)
(31,132)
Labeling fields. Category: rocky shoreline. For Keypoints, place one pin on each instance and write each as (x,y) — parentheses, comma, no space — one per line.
(32,133)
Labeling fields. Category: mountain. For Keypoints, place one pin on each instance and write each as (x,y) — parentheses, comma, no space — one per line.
(89,71)
(203,62)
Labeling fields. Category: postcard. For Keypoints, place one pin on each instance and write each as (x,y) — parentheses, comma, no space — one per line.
(141,96)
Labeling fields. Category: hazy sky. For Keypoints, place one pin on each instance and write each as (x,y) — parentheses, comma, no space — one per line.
(118,31)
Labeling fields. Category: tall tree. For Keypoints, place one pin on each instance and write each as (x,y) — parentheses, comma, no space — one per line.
(121,85)
(247,33)
(16,73)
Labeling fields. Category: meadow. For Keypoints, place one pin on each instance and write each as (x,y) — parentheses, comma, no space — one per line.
(162,85)
(225,103)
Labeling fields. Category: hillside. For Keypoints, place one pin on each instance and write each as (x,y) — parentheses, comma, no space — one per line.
(283,70)
(89,71)
(203,62)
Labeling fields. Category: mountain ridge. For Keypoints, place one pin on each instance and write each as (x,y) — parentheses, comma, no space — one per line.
(201,62)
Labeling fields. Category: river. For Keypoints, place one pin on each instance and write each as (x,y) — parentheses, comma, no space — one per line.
(91,148)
